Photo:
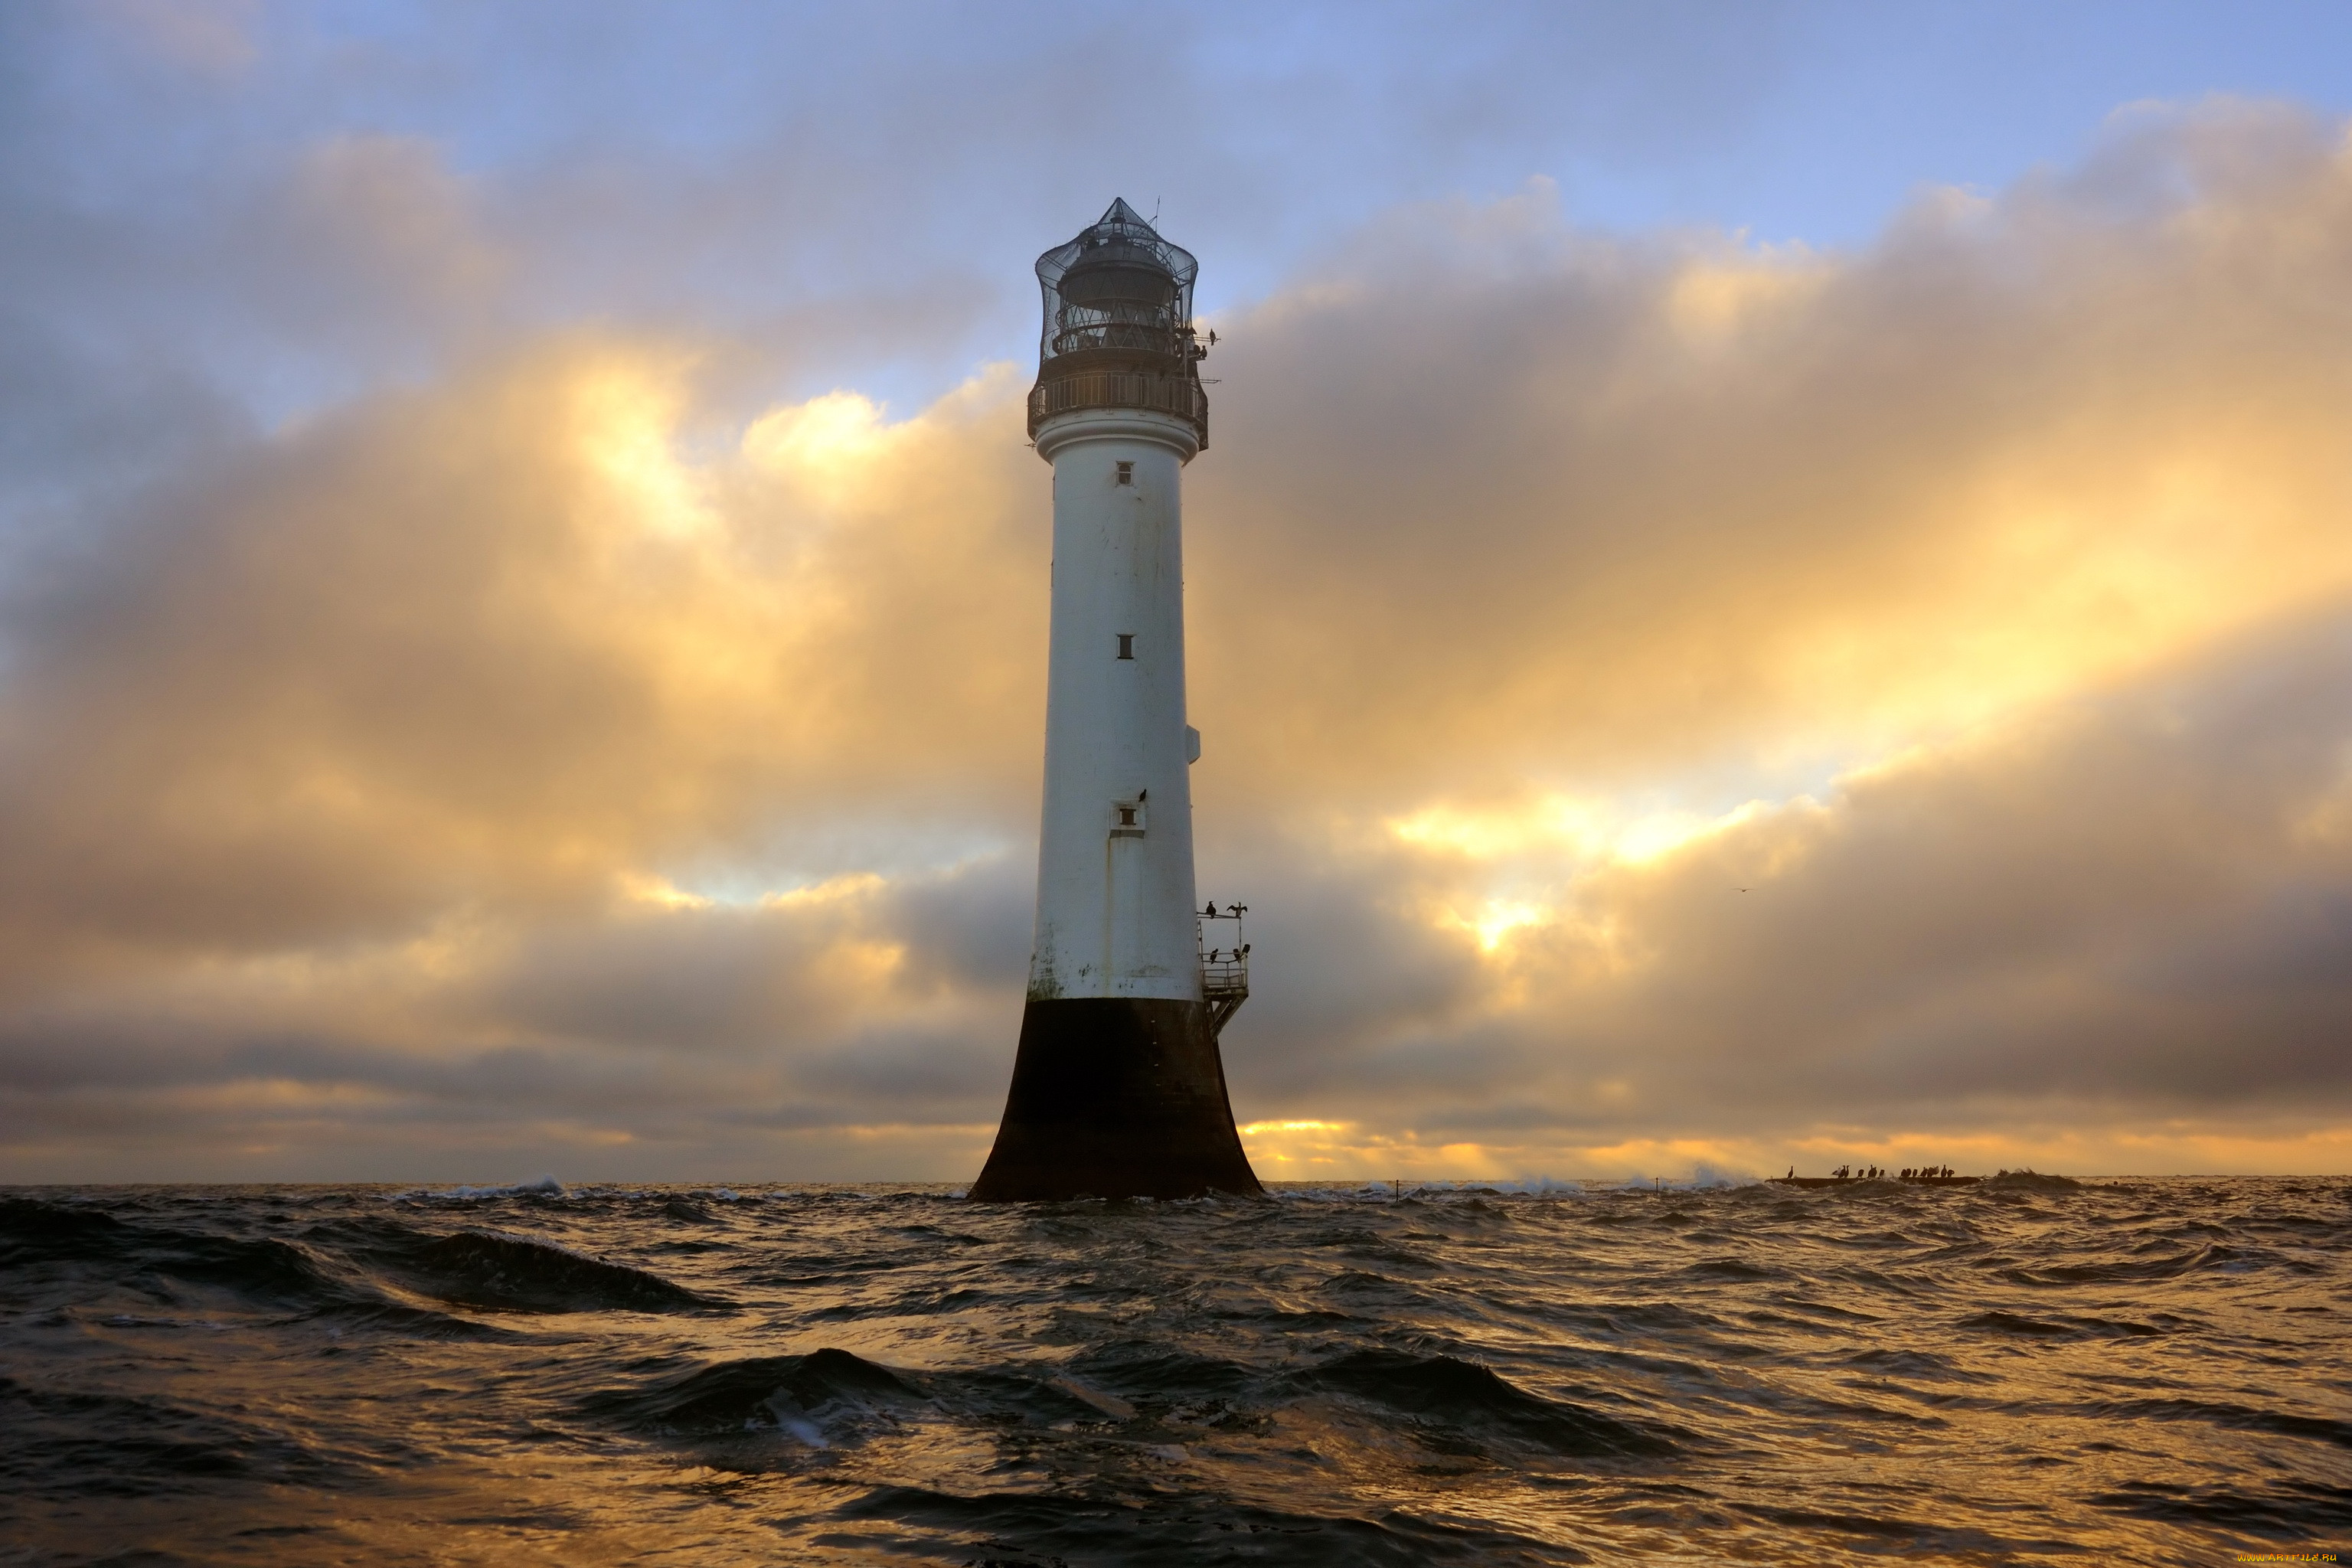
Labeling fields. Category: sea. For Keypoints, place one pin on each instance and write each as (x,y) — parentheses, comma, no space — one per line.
(2032,1370)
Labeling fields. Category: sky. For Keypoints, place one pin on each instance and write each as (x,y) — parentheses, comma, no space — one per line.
(1772,584)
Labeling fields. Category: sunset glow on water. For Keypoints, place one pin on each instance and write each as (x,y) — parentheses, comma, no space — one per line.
(2026,1371)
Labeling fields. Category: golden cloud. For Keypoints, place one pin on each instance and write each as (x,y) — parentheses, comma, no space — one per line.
(1669,700)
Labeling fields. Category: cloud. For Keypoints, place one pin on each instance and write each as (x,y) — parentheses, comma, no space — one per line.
(2011,451)
(2136,905)
(212,36)
(567,759)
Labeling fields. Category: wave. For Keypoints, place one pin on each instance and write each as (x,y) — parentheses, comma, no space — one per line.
(289,1374)
(2029,1182)
(501,1272)
(1463,1394)
(1733,1270)
(353,1272)
(536,1187)
(1702,1179)
(1146,1368)
(2287,1507)
(397,1320)
(2058,1328)
(818,1399)
(33,1231)
(162,1262)
(1925,1366)
(2218,1413)
(1009,1396)
(2203,1259)
(830,1396)
(1059,1531)
(86,1443)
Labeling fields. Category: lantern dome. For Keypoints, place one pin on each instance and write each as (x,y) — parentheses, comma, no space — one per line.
(1118,330)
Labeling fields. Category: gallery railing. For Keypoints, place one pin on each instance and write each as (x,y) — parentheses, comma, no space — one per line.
(1161,392)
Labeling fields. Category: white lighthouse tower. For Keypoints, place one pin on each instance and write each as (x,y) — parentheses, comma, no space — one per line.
(1118,1089)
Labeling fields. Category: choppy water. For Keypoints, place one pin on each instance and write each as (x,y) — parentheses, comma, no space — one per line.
(2142,1372)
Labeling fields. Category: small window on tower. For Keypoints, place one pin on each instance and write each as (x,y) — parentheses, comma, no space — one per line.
(1127,473)
(1127,645)
(1127,817)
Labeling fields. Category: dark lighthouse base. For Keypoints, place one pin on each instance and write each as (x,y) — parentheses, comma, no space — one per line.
(1116,1098)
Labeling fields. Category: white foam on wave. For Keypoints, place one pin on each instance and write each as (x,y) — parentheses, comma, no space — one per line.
(1498,1187)
(1702,1179)
(1541,1186)
(547,1187)
(543,1242)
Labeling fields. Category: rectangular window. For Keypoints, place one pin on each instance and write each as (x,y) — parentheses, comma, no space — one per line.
(1127,473)
(1127,645)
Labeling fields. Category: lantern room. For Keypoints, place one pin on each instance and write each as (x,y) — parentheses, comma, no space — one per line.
(1119,325)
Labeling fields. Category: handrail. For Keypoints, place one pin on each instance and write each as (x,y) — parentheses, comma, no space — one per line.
(1225,977)
(1224,970)
(1180,395)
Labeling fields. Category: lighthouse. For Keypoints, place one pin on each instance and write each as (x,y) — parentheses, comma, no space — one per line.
(1118,1089)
